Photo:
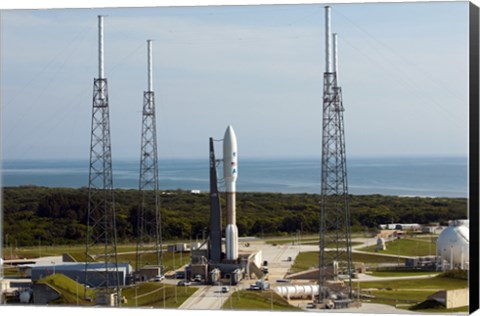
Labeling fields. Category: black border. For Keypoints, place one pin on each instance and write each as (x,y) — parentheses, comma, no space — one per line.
(474,201)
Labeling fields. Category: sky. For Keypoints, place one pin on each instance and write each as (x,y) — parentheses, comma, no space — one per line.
(403,68)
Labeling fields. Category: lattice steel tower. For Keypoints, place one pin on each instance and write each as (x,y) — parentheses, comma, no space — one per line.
(148,216)
(101,241)
(335,244)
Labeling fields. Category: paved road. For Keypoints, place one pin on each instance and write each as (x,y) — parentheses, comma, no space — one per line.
(365,242)
(368,309)
(381,254)
(210,297)
(38,261)
(366,278)
(207,297)
(277,257)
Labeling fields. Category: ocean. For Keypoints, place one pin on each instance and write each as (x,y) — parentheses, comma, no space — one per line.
(406,176)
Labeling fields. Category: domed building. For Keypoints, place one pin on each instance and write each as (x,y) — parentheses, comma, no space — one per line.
(453,245)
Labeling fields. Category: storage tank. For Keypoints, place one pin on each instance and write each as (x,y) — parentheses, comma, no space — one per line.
(453,245)
(297,291)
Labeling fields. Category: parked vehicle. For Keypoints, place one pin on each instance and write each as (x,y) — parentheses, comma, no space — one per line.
(158,278)
(197,278)
(254,287)
(180,275)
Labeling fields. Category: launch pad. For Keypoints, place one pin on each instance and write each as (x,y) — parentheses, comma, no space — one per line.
(224,272)
(218,260)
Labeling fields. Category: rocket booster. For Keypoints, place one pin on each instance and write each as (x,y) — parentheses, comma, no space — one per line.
(230,172)
(230,159)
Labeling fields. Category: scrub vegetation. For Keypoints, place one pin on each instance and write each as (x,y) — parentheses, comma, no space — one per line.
(35,216)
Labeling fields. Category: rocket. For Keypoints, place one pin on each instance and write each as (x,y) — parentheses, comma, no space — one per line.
(230,172)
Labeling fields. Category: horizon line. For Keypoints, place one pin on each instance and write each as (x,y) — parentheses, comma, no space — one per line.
(248,157)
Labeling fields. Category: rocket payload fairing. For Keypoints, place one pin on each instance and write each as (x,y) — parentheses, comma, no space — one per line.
(230,172)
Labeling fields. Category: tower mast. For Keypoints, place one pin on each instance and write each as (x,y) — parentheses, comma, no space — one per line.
(101,222)
(149,183)
(335,244)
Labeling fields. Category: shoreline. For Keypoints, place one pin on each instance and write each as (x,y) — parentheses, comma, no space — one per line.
(200,192)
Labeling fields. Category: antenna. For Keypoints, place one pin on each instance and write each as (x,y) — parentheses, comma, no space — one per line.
(335,54)
(150,60)
(328,40)
(101,73)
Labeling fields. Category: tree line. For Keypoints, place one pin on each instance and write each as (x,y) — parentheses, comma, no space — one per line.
(34,215)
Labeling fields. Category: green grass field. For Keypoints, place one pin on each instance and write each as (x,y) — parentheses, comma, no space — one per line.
(407,247)
(126,255)
(307,240)
(436,307)
(395,297)
(285,241)
(71,291)
(257,300)
(407,293)
(156,294)
(76,251)
(307,260)
(435,283)
(410,293)
(149,294)
(410,299)
(400,273)
(170,260)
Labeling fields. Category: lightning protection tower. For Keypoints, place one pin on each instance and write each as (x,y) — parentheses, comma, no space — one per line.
(335,245)
(101,240)
(148,216)
(215,238)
